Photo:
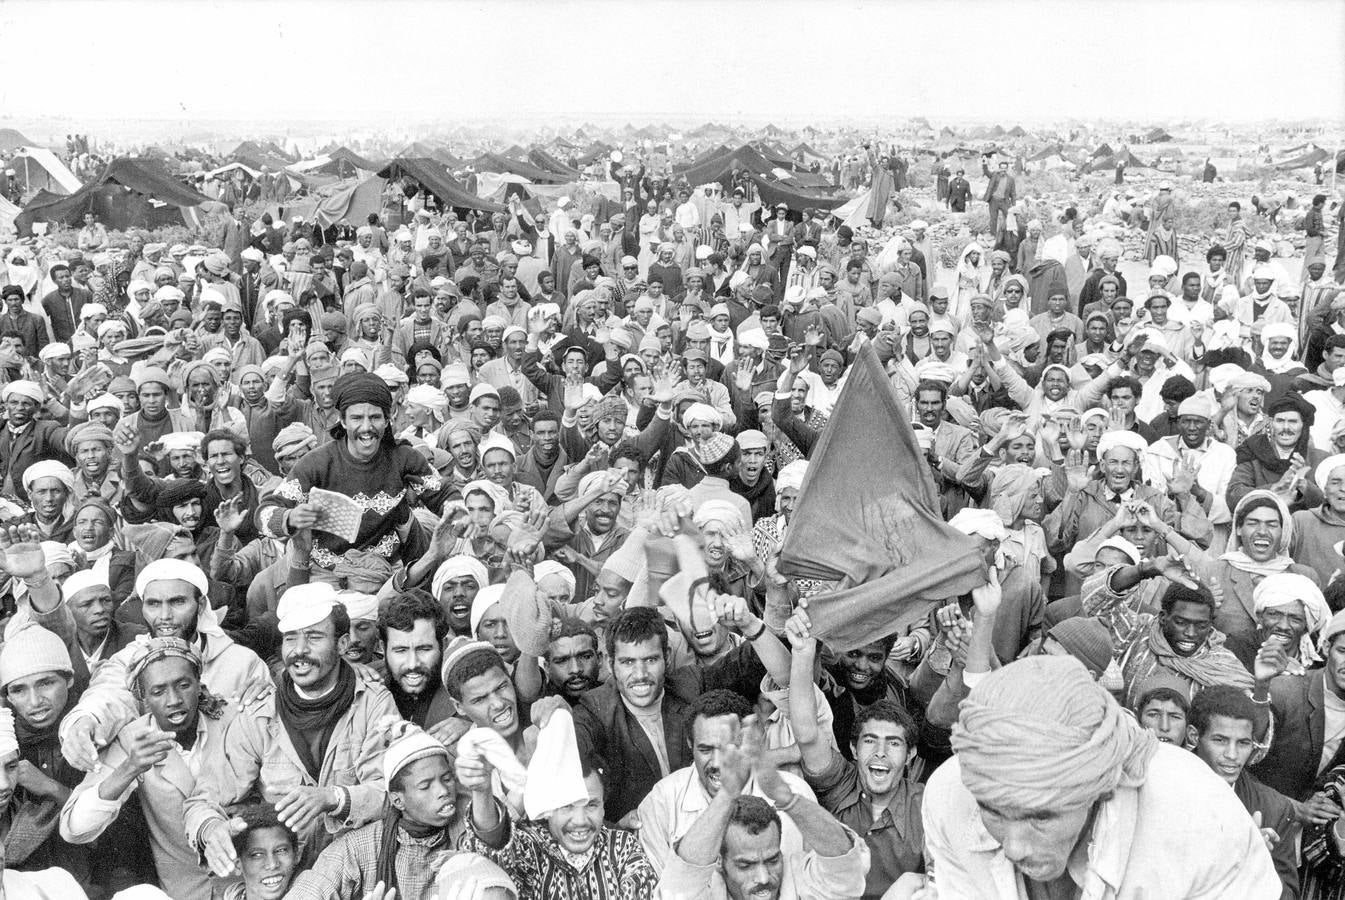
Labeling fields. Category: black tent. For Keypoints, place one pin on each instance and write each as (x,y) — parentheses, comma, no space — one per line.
(773,192)
(13,140)
(346,155)
(1157,135)
(433,177)
(1104,150)
(722,166)
(128,193)
(493,162)
(543,160)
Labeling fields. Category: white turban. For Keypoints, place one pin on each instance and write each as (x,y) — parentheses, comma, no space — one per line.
(984,523)
(549,568)
(305,605)
(1326,467)
(9,742)
(791,476)
(171,570)
(360,607)
(429,397)
(702,412)
(457,567)
(48,468)
(82,581)
(1113,439)
(485,598)
(1284,588)
(30,389)
(718,511)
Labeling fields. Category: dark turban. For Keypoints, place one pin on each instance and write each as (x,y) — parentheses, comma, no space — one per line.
(361,387)
(179,491)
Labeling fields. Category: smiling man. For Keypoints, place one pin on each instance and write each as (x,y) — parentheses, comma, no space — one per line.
(413,627)
(314,745)
(674,804)
(363,461)
(1054,787)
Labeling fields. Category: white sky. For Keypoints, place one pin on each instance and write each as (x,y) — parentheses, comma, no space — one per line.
(646,60)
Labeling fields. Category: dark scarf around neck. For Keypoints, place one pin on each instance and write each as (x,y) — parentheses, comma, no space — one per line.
(301,715)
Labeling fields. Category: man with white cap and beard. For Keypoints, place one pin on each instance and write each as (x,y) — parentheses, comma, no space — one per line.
(314,745)
(174,602)
(403,850)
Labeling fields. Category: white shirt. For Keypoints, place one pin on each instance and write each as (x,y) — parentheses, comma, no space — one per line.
(687,215)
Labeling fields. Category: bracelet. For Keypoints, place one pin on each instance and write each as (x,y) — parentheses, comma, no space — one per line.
(760,632)
(793,800)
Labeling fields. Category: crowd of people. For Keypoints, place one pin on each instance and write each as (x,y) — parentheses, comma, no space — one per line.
(451,562)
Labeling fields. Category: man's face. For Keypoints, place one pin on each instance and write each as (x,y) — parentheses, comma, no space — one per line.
(424,306)
(929,408)
(1287,623)
(1119,467)
(861,666)
(1193,429)
(753,865)
(200,388)
(252,386)
(172,690)
(92,610)
(709,739)
(21,410)
(1285,428)
(413,657)
(942,342)
(222,461)
(499,467)
(572,664)
(170,608)
(458,594)
(1158,310)
(753,460)
(494,628)
(1250,401)
(602,513)
(39,699)
(1191,289)
(576,827)
(489,701)
(363,644)
(880,754)
(1038,842)
(1225,746)
(364,424)
(188,513)
(1335,489)
(312,654)
(638,669)
(1166,720)
(1187,626)
(486,412)
(48,496)
(426,792)
(1123,399)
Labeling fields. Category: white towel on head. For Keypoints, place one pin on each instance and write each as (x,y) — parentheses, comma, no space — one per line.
(555,777)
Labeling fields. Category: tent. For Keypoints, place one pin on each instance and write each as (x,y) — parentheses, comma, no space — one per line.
(37,168)
(807,154)
(128,193)
(1102,151)
(722,166)
(8,213)
(340,162)
(434,177)
(230,168)
(13,140)
(493,162)
(350,203)
(593,152)
(1157,136)
(1017,131)
(543,160)
(1311,155)
(797,198)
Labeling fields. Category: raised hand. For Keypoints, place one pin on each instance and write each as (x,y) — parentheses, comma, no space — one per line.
(231,514)
(798,360)
(799,630)
(812,336)
(21,548)
(987,597)
(1272,659)
(125,438)
(1077,435)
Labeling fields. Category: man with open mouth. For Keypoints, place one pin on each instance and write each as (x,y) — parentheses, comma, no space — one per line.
(365,463)
(159,755)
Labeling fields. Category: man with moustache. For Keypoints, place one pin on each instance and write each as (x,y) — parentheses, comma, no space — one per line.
(314,745)
(572,660)
(413,628)
(174,603)
(366,644)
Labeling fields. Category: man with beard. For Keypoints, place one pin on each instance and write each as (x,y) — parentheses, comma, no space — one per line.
(737,847)
(413,628)
(870,792)
(25,438)
(364,461)
(174,603)
(571,659)
(160,756)
(233,336)
(38,683)
(314,745)
(677,800)
(592,517)
(403,850)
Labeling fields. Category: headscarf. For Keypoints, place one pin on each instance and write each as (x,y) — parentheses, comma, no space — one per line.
(498,495)
(1236,557)
(1322,473)
(1041,734)
(361,387)
(548,568)
(1287,362)
(1286,588)
(457,567)
(1013,486)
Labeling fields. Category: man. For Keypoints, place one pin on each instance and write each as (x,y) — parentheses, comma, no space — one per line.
(26,439)
(959,192)
(361,460)
(1109,257)
(951,447)
(28,325)
(403,851)
(676,801)
(571,852)
(870,793)
(413,629)
(314,745)
(160,755)
(995,826)
(735,848)
(546,460)
(93,236)
(1223,728)
(98,632)
(63,305)
(174,603)
(572,656)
